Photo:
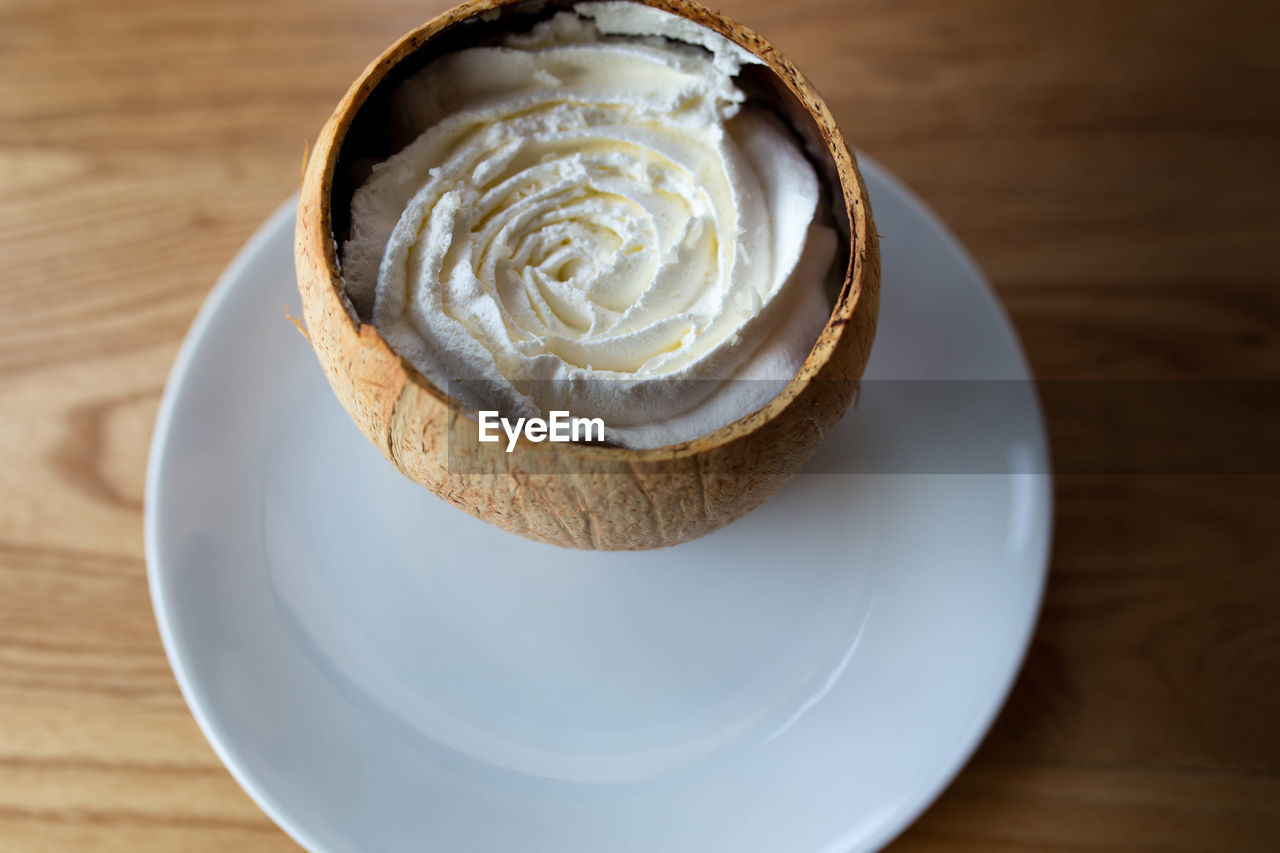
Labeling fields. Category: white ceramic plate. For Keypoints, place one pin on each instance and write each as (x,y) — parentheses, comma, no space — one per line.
(382,672)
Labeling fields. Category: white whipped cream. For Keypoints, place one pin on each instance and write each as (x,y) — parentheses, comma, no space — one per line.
(594,224)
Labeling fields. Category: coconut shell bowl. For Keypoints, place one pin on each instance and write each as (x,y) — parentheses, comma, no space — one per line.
(578,494)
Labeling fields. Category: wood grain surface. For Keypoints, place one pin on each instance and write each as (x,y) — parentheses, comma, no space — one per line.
(1113,166)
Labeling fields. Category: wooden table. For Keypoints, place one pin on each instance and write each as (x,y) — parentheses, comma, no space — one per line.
(1112,165)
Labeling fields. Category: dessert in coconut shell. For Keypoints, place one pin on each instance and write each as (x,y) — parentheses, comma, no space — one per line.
(578,494)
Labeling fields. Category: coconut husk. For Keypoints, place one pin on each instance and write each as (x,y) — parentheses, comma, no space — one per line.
(576,494)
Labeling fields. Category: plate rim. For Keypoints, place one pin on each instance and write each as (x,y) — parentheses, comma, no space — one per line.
(894,825)
(908,815)
(160,433)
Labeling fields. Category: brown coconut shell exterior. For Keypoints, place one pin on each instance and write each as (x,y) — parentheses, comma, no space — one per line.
(571,494)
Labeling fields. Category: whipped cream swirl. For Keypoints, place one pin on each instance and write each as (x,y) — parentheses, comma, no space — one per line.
(594,224)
